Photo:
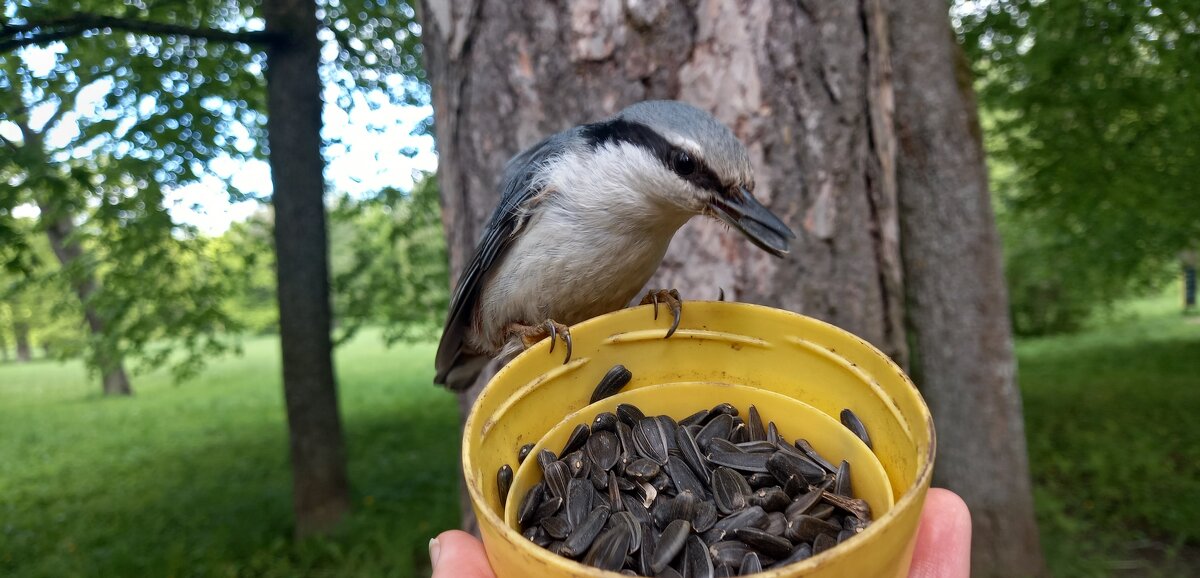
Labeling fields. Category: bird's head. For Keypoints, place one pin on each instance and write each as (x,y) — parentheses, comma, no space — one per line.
(686,159)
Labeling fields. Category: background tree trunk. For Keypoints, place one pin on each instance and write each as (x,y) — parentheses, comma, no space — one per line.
(958,304)
(320,489)
(21,337)
(807,85)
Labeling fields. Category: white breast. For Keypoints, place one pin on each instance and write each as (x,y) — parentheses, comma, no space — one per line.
(589,246)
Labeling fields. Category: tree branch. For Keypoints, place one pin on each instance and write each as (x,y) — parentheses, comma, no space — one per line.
(14,36)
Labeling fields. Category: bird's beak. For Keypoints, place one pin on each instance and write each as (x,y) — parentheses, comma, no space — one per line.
(744,213)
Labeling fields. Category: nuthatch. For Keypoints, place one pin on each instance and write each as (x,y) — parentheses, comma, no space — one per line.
(584,220)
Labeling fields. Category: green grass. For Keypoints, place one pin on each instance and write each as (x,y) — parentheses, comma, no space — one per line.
(1114,441)
(193,480)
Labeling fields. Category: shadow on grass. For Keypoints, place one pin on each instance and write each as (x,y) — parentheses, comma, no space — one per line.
(213,498)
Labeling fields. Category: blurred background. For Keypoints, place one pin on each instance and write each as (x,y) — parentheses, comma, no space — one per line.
(143,423)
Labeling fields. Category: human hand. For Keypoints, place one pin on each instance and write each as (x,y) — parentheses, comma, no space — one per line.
(943,547)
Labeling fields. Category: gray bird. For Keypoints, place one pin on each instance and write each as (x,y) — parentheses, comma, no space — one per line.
(584,220)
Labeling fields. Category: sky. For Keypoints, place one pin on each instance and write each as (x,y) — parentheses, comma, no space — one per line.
(373,162)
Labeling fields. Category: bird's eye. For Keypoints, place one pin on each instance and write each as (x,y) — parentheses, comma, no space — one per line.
(683,164)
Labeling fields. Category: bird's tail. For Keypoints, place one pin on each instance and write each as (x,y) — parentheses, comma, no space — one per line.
(463,372)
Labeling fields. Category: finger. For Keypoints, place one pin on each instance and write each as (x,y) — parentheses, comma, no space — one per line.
(943,547)
(457,554)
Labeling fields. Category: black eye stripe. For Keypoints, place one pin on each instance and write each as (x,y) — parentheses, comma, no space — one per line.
(620,130)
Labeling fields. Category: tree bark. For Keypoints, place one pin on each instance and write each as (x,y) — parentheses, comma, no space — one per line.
(320,487)
(957,302)
(60,229)
(21,337)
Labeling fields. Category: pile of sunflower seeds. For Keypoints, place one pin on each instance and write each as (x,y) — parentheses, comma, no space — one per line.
(710,495)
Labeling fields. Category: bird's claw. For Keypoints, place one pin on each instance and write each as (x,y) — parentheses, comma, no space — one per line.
(672,299)
(556,330)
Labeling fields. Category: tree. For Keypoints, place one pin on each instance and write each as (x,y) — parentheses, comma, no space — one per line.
(808,87)
(1092,107)
(171,52)
(957,307)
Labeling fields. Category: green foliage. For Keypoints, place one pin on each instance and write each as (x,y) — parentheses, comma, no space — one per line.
(1094,106)
(390,263)
(245,252)
(195,481)
(1114,443)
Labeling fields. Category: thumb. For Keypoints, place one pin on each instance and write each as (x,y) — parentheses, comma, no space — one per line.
(457,554)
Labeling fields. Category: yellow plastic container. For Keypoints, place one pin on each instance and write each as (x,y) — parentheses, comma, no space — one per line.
(798,371)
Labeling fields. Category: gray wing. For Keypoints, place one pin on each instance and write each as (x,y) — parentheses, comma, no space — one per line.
(517,187)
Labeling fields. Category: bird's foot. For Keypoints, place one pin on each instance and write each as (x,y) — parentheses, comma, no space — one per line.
(531,334)
(672,299)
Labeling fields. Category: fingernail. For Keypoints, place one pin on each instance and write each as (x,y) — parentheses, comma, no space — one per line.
(435,552)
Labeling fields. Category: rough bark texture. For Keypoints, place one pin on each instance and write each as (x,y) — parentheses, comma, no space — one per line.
(21,336)
(320,488)
(957,304)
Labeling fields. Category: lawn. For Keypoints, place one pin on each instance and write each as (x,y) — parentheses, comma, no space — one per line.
(1114,442)
(192,479)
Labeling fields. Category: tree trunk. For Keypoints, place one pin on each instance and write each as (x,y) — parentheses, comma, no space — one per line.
(21,337)
(957,302)
(320,489)
(60,229)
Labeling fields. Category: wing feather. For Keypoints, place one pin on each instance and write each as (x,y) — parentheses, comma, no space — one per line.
(518,185)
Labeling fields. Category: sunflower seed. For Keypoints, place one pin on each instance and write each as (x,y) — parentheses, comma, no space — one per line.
(772,499)
(614,493)
(752,517)
(629,414)
(632,525)
(556,527)
(724,408)
(842,488)
(661,482)
(537,535)
(757,447)
(773,546)
(741,461)
(635,506)
(577,464)
(690,452)
(529,504)
(673,538)
(805,528)
(585,533)
(802,504)
(723,571)
(546,457)
(683,478)
(606,421)
(557,474)
(738,434)
(730,490)
(504,479)
(684,506)
(822,511)
(750,564)
(575,441)
(642,469)
(696,563)
(772,433)
(776,524)
(604,449)
(645,552)
(799,554)
(523,453)
(856,506)
(812,454)
(611,383)
(579,500)
(725,446)
(647,493)
(628,449)
(784,465)
(823,543)
(694,419)
(759,480)
(845,535)
(609,549)
(716,428)
(650,438)
(729,552)
(548,507)
(754,426)
(855,425)
(706,516)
